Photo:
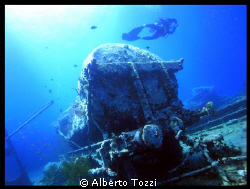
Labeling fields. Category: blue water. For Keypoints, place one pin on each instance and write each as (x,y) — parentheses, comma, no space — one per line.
(43,43)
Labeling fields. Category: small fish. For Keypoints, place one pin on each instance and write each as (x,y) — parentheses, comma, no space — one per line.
(93,27)
(47,47)
(46,144)
(52,79)
(75,65)
(38,152)
(45,86)
(147,47)
(38,142)
(54,153)
(50,91)
(61,110)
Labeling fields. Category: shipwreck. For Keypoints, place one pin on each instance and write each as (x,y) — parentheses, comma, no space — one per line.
(128,121)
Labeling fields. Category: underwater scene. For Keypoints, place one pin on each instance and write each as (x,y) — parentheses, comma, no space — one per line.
(125,95)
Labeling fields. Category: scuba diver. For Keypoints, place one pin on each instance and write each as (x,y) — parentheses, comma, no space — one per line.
(163,27)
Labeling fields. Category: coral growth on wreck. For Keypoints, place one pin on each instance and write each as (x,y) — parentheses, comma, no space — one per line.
(76,170)
(67,173)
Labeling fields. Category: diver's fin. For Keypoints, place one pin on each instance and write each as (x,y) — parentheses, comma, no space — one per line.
(132,35)
(151,30)
(128,37)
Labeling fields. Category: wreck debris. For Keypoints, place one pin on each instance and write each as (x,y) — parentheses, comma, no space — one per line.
(213,164)
(203,94)
(234,110)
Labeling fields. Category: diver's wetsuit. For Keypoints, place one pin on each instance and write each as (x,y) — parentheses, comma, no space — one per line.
(161,30)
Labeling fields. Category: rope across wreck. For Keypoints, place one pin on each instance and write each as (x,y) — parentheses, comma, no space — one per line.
(38,112)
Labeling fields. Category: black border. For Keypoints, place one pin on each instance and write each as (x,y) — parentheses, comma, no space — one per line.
(93,2)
